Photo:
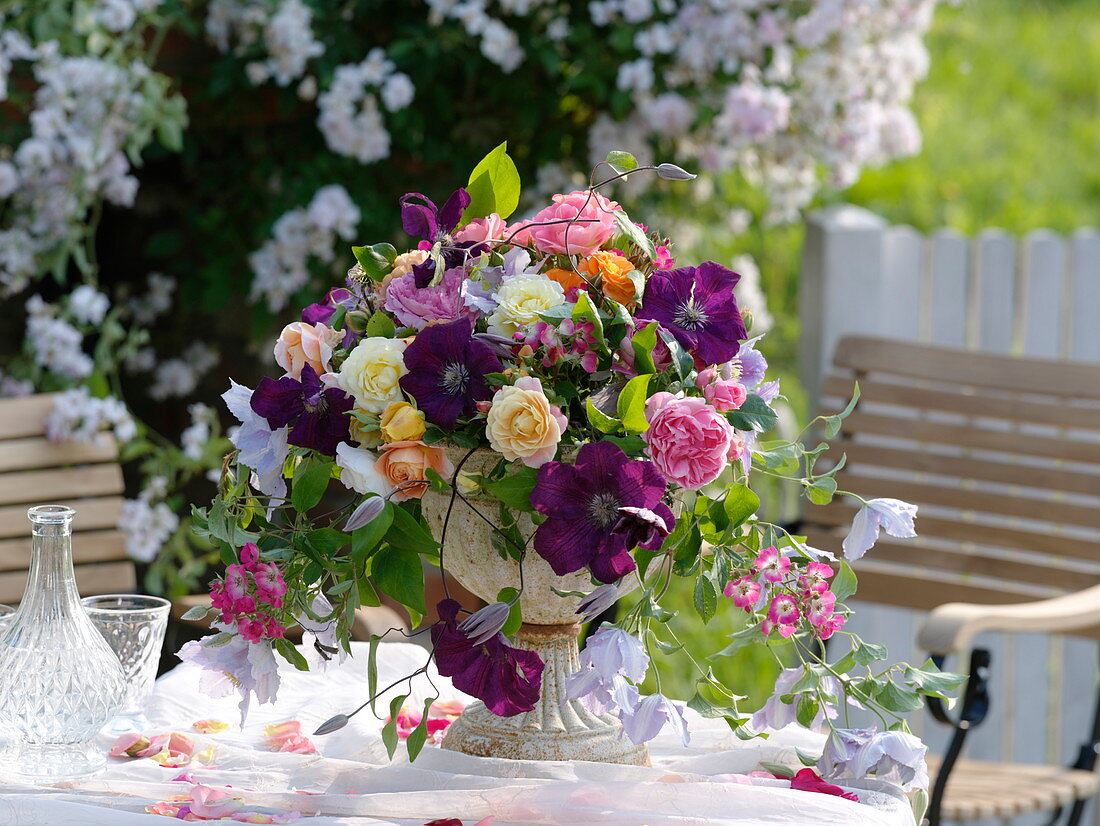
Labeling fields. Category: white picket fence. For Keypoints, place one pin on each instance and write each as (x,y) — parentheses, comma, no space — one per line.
(1038,295)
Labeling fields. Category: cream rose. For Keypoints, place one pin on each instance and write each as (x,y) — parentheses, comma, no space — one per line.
(371,373)
(404,462)
(402,422)
(520,299)
(358,471)
(522,424)
(300,344)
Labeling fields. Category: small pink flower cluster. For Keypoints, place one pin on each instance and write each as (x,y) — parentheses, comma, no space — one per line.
(805,595)
(248,593)
(288,737)
(571,341)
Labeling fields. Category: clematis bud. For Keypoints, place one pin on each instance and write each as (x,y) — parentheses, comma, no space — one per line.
(598,601)
(485,624)
(369,510)
(671,172)
(332,724)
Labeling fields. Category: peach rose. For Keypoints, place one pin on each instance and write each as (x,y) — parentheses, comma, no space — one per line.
(402,264)
(522,424)
(300,344)
(614,271)
(402,422)
(408,461)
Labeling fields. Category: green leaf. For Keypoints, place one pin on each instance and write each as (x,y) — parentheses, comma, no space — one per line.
(598,419)
(622,161)
(291,654)
(326,541)
(310,483)
(634,233)
(833,423)
(643,342)
(494,186)
(845,583)
(514,490)
(706,598)
(398,572)
(631,404)
(821,491)
(197,612)
(380,324)
(372,670)
(754,414)
(682,361)
(928,679)
(806,710)
(740,503)
(894,698)
(749,635)
(515,615)
(365,539)
(419,735)
(376,261)
(777,769)
(406,532)
(389,731)
(585,310)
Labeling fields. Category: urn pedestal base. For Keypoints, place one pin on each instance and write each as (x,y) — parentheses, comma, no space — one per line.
(556,729)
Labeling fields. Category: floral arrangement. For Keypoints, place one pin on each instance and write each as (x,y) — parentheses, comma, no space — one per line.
(788,98)
(625,404)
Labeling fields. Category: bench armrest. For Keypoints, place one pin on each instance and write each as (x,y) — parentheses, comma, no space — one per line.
(951,627)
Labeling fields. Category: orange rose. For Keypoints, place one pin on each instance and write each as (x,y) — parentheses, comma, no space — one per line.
(614,271)
(402,462)
(300,344)
(567,278)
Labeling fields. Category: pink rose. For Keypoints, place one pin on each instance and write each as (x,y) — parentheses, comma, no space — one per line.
(417,307)
(300,344)
(490,229)
(724,393)
(587,235)
(689,441)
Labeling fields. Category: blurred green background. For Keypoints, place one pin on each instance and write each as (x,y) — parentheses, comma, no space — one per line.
(1011,119)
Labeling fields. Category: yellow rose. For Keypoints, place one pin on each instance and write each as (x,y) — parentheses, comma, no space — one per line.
(402,423)
(520,299)
(522,424)
(371,373)
(403,462)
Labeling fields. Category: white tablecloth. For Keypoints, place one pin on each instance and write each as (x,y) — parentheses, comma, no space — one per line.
(351,781)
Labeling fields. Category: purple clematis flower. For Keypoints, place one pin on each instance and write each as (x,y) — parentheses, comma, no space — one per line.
(584,503)
(426,220)
(317,415)
(321,312)
(447,368)
(506,679)
(697,305)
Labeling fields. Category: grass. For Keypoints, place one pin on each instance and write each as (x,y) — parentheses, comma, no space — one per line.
(1011,120)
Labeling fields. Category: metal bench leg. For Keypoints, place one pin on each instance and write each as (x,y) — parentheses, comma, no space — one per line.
(975,707)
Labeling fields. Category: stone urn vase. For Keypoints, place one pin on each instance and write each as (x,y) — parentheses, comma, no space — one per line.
(557,728)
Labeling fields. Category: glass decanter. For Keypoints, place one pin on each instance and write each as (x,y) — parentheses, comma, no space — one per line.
(60,682)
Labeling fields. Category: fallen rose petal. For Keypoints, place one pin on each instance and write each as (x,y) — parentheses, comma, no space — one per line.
(184,777)
(209,726)
(128,745)
(157,744)
(297,744)
(807,780)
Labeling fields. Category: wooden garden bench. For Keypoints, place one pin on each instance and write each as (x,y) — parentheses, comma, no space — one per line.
(35,471)
(1002,456)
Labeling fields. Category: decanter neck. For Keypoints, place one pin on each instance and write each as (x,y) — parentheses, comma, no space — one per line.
(51,583)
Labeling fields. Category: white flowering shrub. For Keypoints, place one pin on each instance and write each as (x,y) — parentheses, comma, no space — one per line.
(304,121)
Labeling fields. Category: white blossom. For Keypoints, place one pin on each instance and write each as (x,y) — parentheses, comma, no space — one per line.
(194,438)
(147,525)
(180,376)
(56,344)
(78,416)
(88,305)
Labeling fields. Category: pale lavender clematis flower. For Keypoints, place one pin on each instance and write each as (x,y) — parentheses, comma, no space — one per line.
(320,633)
(477,290)
(609,655)
(485,623)
(750,442)
(238,665)
(261,448)
(769,390)
(891,515)
(775,714)
(644,721)
(752,362)
(894,756)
